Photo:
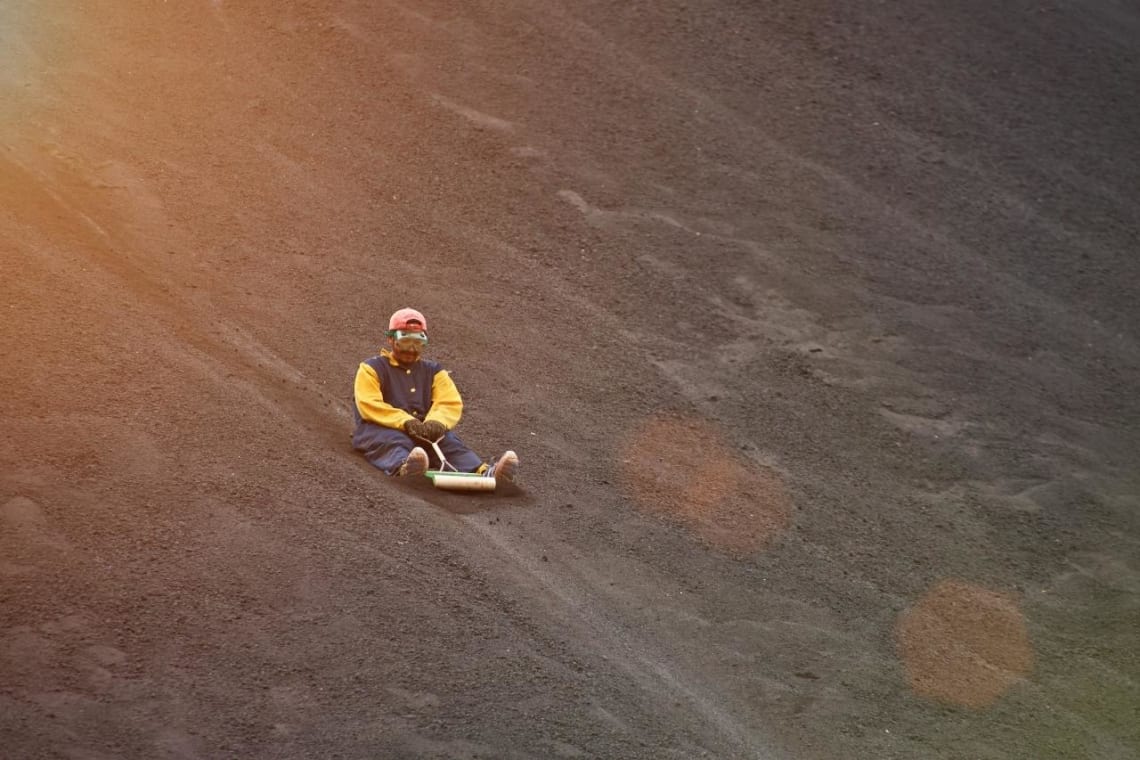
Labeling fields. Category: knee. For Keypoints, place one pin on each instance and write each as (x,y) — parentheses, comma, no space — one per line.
(371,437)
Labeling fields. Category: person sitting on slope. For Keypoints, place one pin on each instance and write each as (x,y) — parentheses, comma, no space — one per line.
(403,400)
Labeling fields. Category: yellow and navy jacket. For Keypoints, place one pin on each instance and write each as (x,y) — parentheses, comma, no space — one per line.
(388,394)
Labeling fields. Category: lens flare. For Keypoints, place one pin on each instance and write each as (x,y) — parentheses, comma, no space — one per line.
(684,470)
(964,644)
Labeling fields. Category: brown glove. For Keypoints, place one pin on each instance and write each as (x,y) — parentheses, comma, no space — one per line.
(434,430)
(415,429)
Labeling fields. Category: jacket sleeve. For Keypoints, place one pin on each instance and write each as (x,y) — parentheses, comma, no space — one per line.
(446,405)
(370,400)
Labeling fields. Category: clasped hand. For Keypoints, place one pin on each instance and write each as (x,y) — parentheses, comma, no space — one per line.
(428,430)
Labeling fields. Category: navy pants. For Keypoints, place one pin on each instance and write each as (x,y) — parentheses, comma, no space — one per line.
(387,448)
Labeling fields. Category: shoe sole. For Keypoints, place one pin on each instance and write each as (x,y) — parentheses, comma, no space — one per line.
(414,465)
(510,464)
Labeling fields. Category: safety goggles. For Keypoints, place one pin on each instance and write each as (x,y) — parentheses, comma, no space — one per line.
(409,339)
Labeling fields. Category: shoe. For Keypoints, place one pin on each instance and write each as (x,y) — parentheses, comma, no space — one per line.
(506,468)
(415,464)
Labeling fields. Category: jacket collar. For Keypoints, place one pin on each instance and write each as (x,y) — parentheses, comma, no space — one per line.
(387,354)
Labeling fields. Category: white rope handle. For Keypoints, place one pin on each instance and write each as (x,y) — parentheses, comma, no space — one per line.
(443,463)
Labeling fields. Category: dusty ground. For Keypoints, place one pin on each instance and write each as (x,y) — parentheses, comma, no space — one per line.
(815,325)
